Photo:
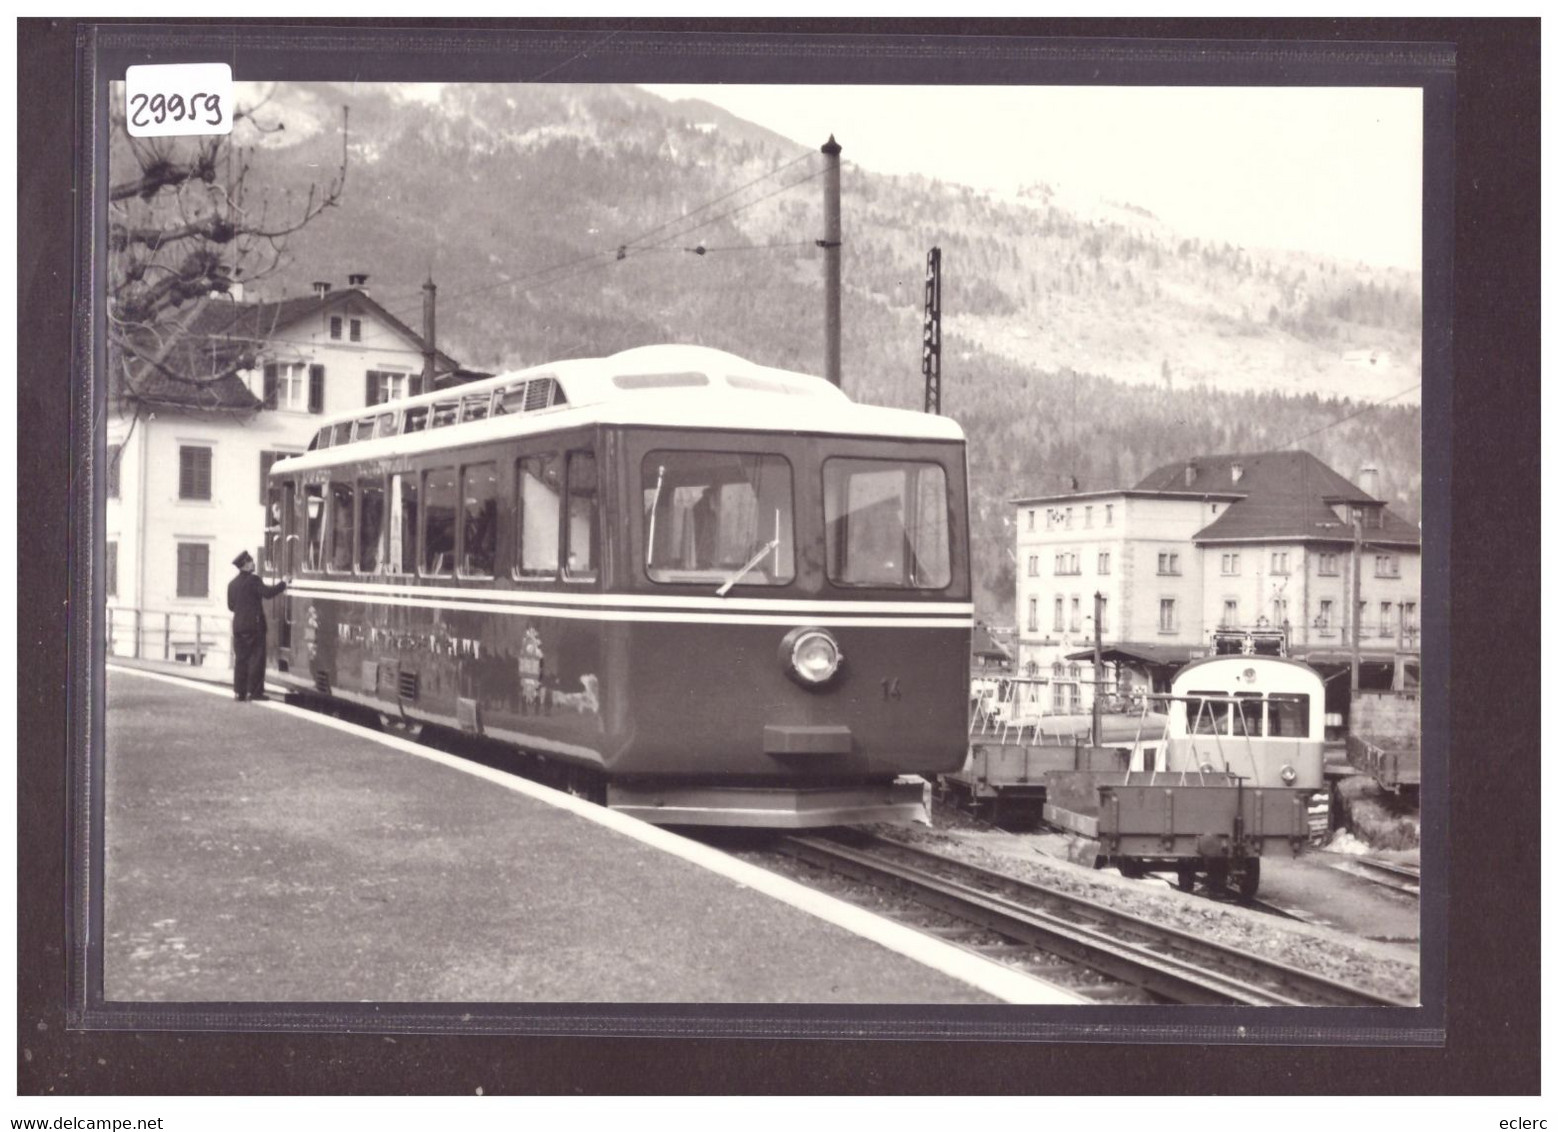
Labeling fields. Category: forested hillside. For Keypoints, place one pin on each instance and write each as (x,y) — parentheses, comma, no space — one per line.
(1081,339)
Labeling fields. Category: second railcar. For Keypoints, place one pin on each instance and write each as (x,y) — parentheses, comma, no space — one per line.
(714,592)
(1242,753)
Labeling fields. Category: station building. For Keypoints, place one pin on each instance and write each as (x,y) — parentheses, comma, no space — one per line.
(191,436)
(1264,544)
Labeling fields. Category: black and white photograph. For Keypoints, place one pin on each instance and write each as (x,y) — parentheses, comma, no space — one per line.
(756,557)
(627,543)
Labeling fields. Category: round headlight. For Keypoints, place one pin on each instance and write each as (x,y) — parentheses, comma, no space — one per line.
(1289,775)
(813,656)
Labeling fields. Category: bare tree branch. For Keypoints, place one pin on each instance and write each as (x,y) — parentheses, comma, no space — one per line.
(182,230)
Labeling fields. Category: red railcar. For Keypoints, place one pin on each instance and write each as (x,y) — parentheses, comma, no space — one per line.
(714,592)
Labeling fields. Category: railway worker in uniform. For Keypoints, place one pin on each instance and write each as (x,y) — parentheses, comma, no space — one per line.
(244,595)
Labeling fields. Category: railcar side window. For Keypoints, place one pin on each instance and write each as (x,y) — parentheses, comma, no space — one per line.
(342,527)
(511,399)
(1289,715)
(386,425)
(709,514)
(887,523)
(438,510)
(402,558)
(314,509)
(475,406)
(540,516)
(445,413)
(416,419)
(583,498)
(370,523)
(479,531)
(343,433)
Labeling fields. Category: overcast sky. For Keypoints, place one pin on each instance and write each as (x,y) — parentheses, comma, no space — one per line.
(1330,170)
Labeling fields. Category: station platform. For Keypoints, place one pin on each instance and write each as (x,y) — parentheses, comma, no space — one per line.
(256,852)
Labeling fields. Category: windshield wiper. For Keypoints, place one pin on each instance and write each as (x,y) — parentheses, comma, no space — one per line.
(751,564)
(649,545)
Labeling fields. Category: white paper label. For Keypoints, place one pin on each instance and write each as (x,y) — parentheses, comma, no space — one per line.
(165,100)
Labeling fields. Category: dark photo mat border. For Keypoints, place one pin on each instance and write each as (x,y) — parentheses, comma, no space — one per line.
(1495,435)
(494,56)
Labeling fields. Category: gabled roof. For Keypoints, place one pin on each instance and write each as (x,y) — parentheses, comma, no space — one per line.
(217,337)
(1285,496)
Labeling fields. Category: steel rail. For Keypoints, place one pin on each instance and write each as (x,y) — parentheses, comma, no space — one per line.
(1166,977)
(1266,982)
(1388,874)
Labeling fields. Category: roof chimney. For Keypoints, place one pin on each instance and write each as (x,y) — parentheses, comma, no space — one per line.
(1191,471)
(1368,480)
(359,281)
(321,289)
(429,350)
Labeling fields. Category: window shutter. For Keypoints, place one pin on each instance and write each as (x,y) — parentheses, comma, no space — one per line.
(416,384)
(372,397)
(194,473)
(316,389)
(194,569)
(270,385)
(114,455)
(111,570)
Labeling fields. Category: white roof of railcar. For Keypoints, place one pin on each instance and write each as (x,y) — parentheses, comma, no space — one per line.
(1281,672)
(666,386)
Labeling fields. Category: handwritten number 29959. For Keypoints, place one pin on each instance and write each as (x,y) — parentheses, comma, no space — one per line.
(161,108)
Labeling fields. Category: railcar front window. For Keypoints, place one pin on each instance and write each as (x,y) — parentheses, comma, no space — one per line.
(540,516)
(403,513)
(342,527)
(1289,716)
(438,507)
(1250,721)
(708,515)
(1207,717)
(887,523)
(370,525)
(479,531)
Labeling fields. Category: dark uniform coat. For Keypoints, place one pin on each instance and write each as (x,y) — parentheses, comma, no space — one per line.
(245,595)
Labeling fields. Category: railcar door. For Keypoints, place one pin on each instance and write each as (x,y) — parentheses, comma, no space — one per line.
(285,559)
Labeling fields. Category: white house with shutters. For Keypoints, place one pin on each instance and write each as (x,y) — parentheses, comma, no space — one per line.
(191,437)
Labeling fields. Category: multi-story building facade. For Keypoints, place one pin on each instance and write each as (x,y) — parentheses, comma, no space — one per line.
(1258,542)
(190,441)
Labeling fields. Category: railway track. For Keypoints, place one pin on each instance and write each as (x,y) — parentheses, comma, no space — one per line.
(1389,874)
(1099,952)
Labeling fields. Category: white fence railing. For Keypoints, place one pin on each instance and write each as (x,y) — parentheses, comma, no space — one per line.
(172,635)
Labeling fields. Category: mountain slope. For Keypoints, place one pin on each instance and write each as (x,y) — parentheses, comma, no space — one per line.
(1081,340)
